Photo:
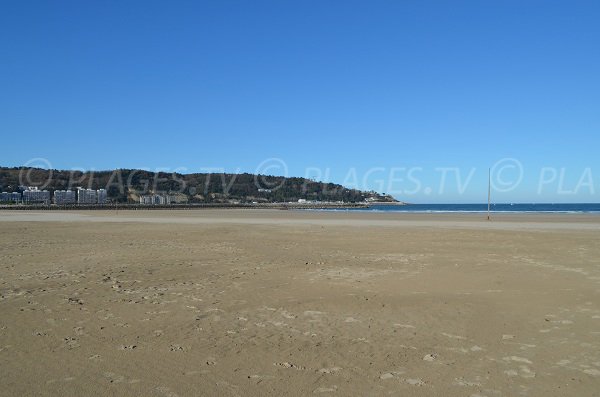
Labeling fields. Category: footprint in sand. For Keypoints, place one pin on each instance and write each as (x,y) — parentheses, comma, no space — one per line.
(517,359)
(177,348)
(326,389)
(415,381)
(313,313)
(165,391)
(453,336)
(526,372)
(114,378)
(465,383)
(288,315)
(71,342)
(404,326)
(260,377)
(390,375)
(289,365)
(330,370)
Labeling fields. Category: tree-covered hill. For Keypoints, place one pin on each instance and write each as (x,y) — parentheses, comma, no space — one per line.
(126,185)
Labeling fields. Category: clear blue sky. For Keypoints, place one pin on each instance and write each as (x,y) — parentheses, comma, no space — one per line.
(333,85)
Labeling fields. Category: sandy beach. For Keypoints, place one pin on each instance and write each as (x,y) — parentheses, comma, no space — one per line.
(270,302)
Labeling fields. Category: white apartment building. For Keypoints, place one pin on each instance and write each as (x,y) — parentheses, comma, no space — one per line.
(8,197)
(156,199)
(63,197)
(34,195)
(87,196)
(102,196)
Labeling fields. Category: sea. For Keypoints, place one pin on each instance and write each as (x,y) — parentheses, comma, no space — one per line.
(574,208)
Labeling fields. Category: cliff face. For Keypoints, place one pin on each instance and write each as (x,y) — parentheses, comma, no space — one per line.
(125,184)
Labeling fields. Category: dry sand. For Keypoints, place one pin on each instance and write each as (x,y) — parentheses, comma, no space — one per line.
(267,302)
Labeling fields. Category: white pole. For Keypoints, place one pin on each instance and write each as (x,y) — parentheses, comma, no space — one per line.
(489,190)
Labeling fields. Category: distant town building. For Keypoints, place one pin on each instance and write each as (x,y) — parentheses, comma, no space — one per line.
(7,197)
(102,196)
(91,196)
(145,200)
(34,195)
(87,196)
(64,197)
(157,199)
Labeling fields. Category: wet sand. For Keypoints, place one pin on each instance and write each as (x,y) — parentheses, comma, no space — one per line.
(268,302)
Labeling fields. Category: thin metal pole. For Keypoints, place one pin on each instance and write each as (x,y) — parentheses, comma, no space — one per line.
(489,190)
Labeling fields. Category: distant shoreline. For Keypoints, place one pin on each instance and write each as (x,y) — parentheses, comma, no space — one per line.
(282,206)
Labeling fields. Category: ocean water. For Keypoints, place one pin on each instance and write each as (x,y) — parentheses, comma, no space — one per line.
(589,208)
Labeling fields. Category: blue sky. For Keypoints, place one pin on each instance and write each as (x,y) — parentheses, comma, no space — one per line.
(351,92)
